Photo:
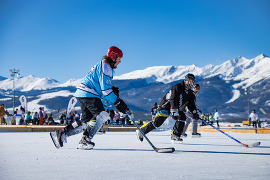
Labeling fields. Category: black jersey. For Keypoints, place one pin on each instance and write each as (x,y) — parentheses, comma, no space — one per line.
(177,97)
(192,102)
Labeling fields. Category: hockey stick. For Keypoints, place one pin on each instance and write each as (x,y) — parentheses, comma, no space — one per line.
(261,109)
(158,150)
(245,145)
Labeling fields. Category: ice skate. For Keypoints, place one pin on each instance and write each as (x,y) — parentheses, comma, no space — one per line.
(139,135)
(58,138)
(176,139)
(86,144)
(184,135)
(101,131)
(196,135)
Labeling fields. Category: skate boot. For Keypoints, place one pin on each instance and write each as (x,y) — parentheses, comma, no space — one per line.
(184,135)
(61,137)
(139,135)
(196,135)
(101,131)
(58,137)
(176,139)
(86,144)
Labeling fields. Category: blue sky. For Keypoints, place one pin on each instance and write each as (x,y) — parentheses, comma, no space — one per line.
(63,39)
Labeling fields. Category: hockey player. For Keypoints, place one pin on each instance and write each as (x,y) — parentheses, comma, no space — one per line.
(95,92)
(191,113)
(254,118)
(216,116)
(173,104)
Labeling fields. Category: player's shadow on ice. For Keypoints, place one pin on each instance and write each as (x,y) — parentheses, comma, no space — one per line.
(221,145)
(122,149)
(221,152)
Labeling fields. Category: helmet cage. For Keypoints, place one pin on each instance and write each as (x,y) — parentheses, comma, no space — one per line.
(189,81)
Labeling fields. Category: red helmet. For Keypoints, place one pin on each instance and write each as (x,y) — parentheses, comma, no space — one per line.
(114,52)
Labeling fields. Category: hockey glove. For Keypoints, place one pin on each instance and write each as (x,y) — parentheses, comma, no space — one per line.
(116,91)
(174,113)
(121,106)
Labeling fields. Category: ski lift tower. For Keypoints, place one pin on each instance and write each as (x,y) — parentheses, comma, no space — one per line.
(14,72)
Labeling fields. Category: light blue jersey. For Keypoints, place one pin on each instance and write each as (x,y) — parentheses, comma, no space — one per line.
(98,83)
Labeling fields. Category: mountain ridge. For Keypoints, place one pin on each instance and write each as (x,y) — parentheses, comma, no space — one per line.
(222,86)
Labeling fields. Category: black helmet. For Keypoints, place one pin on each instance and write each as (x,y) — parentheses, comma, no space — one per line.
(189,77)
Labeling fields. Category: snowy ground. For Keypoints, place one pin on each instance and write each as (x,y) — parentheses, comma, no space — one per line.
(118,155)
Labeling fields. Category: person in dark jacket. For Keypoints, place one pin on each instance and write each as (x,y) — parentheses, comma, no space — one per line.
(191,113)
(173,104)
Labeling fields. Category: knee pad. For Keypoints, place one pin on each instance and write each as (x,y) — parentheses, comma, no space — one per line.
(95,125)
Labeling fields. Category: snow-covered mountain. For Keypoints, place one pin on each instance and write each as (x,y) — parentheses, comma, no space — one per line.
(248,71)
(223,86)
(2,78)
(29,83)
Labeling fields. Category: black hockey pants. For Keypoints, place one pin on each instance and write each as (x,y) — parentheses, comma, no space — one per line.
(90,107)
(159,120)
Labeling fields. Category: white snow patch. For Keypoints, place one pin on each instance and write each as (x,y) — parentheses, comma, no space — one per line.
(34,105)
(236,95)
(267,103)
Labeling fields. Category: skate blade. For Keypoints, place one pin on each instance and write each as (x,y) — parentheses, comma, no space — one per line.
(196,136)
(138,137)
(100,133)
(254,144)
(176,142)
(85,147)
(165,150)
(54,139)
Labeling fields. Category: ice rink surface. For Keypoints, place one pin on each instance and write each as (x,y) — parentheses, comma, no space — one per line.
(119,155)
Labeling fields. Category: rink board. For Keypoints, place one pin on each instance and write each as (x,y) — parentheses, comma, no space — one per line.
(110,128)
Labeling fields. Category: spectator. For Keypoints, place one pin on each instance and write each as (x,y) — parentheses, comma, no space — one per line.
(62,118)
(216,116)
(203,116)
(50,120)
(259,123)
(122,118)
(140,122)
(76,116)
(45,116)
(7,113)
(116,117)
(111,116)
(15,112)
(70,119)
(19,117)
(154,111)
(254,118)
(36,119)
(127,120)
(211,119)
(40,116)
(28,118)
(22,111)
(2,113)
